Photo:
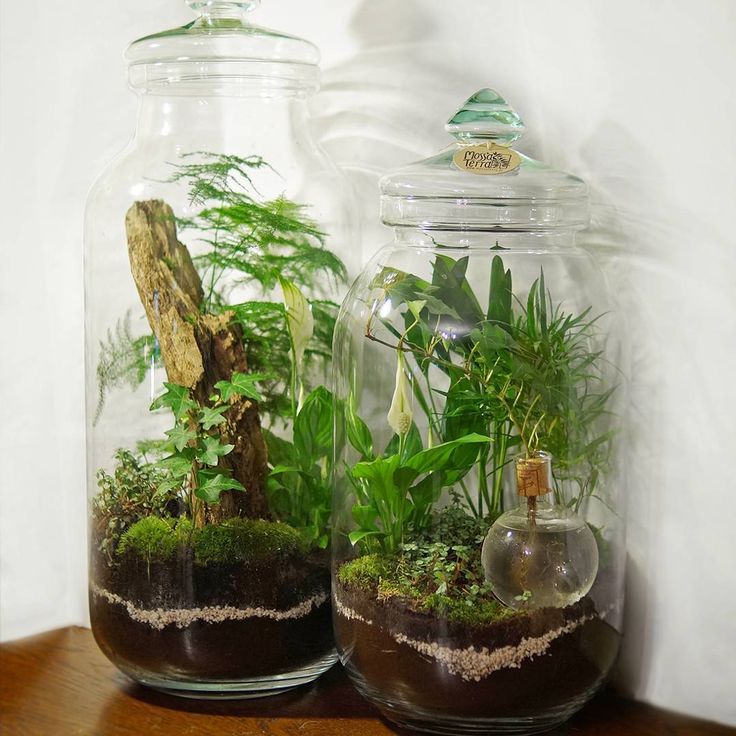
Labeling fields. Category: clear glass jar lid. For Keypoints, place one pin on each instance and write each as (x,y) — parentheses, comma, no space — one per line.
(221,47)
(480,182)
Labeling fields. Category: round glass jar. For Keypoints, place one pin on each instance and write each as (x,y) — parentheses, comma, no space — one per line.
(477,551)
(214,248)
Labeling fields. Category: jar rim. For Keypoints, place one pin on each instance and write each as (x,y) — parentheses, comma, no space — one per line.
(224,51)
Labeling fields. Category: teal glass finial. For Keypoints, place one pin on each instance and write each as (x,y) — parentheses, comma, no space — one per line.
(486,116)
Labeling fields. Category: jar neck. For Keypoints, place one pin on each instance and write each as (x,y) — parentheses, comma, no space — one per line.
(219,123)
(531,241)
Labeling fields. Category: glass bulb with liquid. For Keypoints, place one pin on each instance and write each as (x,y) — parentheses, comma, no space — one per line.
(539,554)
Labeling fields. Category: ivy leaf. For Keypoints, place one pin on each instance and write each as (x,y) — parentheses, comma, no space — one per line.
(210,416)
(241,384)
(212,450)
(180,437)
(177,398)
(211,485)
(179,464)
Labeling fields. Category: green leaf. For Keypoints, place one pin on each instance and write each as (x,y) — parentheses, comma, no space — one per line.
(179,464)
(313,428)
(454,289)
(180,437)
(280,451)
(365,516)
(412,443)
(530,311)
(500,297)
(210,416)
(443,456)
(241,384)
(360,534)
(358,433)
(212,450)
(177,398)
(211,485)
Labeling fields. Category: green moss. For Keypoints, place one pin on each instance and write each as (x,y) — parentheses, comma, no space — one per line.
(467,611)
(241,540)
(432,577)
(234,540)
(151,538)
(363,572)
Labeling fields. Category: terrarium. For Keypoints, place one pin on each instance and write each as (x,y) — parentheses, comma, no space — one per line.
(216,246)
(477,547)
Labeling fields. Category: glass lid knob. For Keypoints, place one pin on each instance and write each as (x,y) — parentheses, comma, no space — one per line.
(222,8)
(486,116)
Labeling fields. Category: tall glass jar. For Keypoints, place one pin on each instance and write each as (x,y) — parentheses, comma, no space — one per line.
(477,550)
(215,247)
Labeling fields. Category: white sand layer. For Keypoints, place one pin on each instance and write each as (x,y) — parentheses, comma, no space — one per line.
(472,663)
(157,618)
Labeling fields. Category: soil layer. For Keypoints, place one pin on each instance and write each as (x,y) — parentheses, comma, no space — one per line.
(535,662)
(221,622)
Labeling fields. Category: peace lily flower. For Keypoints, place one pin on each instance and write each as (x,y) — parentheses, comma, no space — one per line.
(299,319)
(400,414)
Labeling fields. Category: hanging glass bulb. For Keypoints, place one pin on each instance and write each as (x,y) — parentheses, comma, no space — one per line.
(539,554)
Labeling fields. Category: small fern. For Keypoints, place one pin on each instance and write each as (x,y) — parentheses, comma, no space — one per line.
(124,360)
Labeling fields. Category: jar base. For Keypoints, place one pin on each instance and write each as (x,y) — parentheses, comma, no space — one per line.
(409,717)
(246,688)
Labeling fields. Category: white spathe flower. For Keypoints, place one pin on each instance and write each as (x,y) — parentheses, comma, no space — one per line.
(299,319)
(400,414)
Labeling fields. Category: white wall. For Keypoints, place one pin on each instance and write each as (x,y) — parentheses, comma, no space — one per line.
(637,96)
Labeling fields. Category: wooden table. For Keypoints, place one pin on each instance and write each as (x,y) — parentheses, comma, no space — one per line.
(60,684)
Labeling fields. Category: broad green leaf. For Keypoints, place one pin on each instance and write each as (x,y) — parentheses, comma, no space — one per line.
(441,456)
(241,384)
(313,428)
(454,289)
(412,443)
(360,534)
(403,477)
(358,433)
(212,485)
(365,516)
(280,451)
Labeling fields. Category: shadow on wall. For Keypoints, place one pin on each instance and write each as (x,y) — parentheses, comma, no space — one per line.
(387,105)
(645,247)
(616,235)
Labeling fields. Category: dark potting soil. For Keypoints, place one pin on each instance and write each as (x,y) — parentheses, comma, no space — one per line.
(211,650)
(401,679)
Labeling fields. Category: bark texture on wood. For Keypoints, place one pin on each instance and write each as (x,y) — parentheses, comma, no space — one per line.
(198,350)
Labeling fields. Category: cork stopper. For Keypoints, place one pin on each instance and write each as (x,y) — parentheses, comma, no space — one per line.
(534,474)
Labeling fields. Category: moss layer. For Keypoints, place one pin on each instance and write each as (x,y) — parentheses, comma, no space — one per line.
(232,541)
(382,576)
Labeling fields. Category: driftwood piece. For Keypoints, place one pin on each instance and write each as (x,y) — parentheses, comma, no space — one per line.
(197,350)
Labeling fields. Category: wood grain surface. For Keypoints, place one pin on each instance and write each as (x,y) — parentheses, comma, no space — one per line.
(60,684)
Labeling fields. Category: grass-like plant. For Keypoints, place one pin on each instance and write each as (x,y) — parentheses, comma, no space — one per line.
(516,376)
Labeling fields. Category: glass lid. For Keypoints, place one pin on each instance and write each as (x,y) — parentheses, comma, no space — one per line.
(481,182)
(221,45)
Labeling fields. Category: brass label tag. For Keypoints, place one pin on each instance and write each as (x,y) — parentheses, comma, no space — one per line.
(486,158)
